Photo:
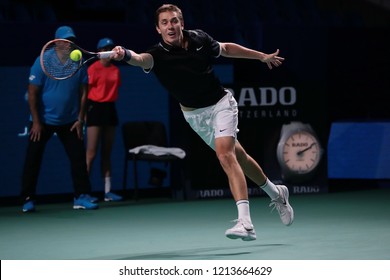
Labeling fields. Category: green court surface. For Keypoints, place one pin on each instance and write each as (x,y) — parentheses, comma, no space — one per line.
(353,225)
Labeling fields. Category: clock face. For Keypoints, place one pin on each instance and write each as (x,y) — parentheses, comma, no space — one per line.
(301,152)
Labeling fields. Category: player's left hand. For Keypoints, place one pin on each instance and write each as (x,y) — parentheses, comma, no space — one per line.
(273,59)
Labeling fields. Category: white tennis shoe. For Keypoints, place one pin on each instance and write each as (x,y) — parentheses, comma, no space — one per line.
(281,204)
(243,230)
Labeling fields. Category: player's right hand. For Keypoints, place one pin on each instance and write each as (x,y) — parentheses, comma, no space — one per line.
(119,53)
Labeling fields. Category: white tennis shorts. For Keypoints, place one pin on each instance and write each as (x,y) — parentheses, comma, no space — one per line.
(215,121)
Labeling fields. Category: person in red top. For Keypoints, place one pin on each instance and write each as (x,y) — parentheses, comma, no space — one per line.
(102,118)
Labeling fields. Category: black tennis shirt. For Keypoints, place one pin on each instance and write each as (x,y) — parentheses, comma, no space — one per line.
(188,74)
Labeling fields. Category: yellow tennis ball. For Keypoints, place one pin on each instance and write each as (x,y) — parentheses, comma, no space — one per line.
(75,55)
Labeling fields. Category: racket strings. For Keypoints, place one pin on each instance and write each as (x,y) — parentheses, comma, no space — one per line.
(56,62)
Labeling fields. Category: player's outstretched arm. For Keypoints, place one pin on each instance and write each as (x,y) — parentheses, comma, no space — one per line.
(143,60)
(237,51)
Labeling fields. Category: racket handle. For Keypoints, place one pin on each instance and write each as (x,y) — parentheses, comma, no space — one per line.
(106,54)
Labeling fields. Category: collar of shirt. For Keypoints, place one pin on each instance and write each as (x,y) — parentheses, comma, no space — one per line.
(187,35)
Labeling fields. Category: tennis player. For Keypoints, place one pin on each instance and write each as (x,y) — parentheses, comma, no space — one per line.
(182,62)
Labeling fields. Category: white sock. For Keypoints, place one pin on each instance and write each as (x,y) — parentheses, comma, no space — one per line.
(243,210)
(107,184)
(270,189)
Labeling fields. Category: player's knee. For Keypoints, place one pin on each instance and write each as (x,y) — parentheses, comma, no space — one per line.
(226,158)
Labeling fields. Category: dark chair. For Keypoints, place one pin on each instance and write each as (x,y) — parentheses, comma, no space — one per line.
(139,133)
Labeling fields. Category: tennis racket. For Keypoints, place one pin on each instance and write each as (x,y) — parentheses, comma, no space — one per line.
(56,62)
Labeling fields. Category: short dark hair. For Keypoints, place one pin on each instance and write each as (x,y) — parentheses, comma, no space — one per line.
(170,8)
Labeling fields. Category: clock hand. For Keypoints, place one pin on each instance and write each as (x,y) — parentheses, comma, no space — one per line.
(304,150)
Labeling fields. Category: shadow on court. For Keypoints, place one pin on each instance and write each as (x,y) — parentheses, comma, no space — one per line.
(205,253)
